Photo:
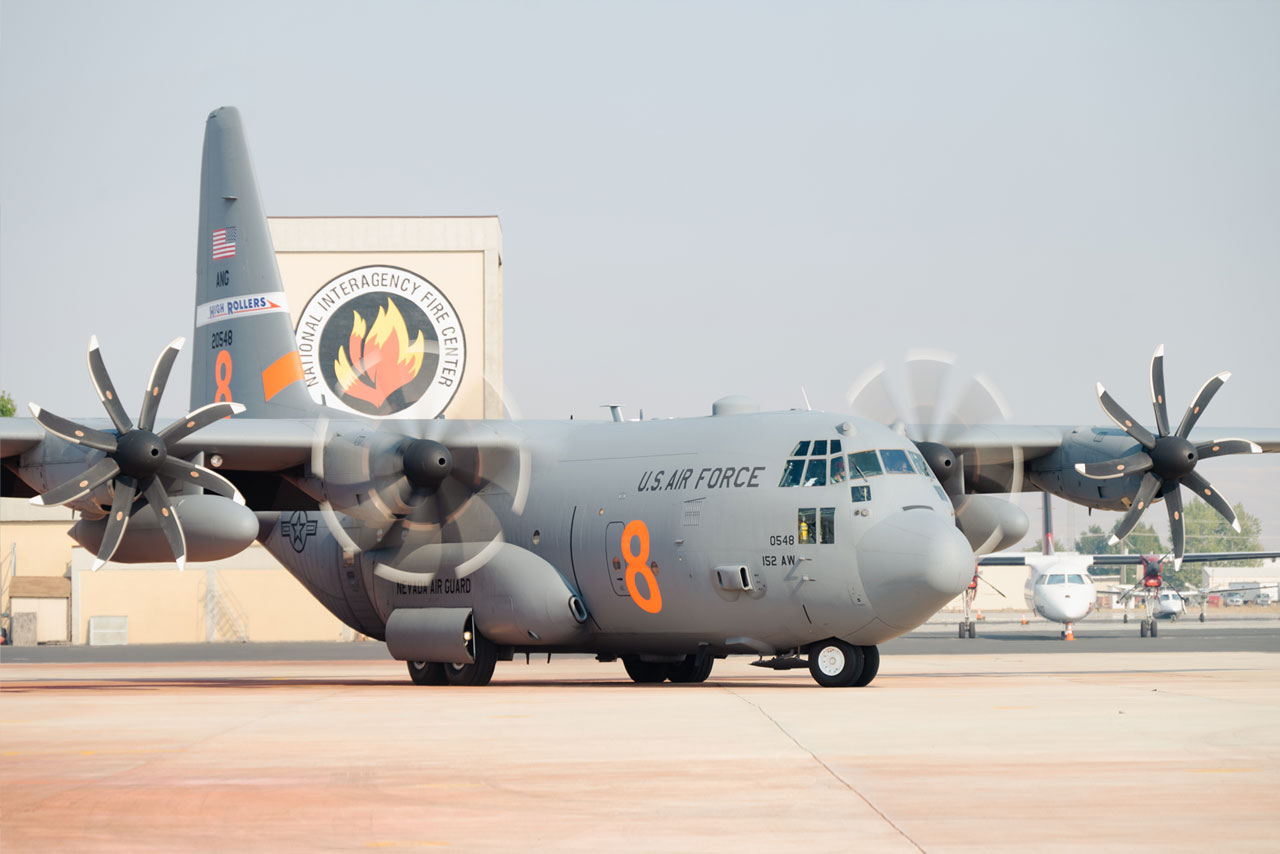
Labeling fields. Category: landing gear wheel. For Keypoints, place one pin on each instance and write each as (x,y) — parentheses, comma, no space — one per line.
(644,672)
(835,664)
(1202,618)
(689,670)
(426,672)
(1063,635)
(1145,628)
(1126,618)
(973,630)
(870,666)
(963,629)
(1153,628)
(480,671)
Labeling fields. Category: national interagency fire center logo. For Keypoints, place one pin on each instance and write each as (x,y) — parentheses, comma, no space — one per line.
(381,341)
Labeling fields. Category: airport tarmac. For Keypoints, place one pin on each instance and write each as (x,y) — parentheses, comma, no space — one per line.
(1062,750)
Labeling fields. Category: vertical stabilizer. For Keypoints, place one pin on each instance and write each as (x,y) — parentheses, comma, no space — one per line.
(244,345)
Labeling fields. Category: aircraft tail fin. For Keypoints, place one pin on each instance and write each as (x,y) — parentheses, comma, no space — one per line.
(244,348)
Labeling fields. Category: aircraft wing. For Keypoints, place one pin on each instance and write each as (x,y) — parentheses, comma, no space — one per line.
(1202,557)
(1002,560)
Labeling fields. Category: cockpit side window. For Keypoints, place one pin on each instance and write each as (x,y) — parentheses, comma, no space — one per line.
(860,493)
(837,469)
(920,464)
(896,462)
(793,473)
(816,473)
(865,464)
(827,525)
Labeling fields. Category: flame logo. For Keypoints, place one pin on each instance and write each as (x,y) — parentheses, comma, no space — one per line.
(378,362)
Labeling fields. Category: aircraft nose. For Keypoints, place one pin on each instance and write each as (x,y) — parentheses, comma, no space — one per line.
(912,564)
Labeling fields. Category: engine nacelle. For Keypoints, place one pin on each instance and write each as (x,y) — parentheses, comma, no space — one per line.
(215,527)
(990,523)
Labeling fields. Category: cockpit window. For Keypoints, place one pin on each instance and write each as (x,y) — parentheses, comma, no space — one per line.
(827,525)
(816,473)
(802,450)
(837,469)
(835,446)
(1075,579)
(819,448)
(806,519)
(865,464)
(896,462)
(1057,578)
(860,493)
(793,473)
(920,464)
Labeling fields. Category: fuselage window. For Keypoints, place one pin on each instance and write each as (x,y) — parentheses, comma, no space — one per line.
(806,522)
(837,469)
(860,493)
(827,525)
(816,473)
(896,462)
(802,450)
(819,448)
(865,464)
(793,473)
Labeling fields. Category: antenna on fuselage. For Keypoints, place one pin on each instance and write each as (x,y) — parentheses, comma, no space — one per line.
(806,399)
(615,408)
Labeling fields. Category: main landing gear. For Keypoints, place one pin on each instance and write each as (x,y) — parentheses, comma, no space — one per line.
(833,663)
(968,629)
(476,674)
(692,668)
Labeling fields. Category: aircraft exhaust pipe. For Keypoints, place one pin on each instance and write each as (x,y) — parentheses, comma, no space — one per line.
(578,609)
(736,578)
(432,634)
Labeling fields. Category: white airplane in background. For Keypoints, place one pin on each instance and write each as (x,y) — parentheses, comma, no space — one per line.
(1059,587)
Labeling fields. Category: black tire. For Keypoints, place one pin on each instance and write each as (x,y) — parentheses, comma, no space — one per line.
(1153,628)
(870,666)
(1202,618)
(426,672)
(1063,635)
(1126,618)
(644,672)
(1144,628)
(835,664)
(690,670)
(962,630)
(480,671)
(973,630)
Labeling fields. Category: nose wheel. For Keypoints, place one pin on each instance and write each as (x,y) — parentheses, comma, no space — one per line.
(834,663)
(1149,628)
(968,629)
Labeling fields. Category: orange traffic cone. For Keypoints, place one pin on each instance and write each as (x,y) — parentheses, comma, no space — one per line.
(1024,619)
(980,617)
(1070,634)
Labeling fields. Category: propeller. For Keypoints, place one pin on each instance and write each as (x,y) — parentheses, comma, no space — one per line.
(422,496)
(931,401)
(1167,459)
(136,458)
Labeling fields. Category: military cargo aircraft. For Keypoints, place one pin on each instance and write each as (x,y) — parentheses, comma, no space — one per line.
(804,538)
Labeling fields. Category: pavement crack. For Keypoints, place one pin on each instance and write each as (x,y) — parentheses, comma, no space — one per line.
(835,774)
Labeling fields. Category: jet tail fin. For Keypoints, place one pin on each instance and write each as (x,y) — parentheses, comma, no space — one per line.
(244,348)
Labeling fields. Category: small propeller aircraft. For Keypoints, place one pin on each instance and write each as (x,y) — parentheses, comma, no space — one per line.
(804,538)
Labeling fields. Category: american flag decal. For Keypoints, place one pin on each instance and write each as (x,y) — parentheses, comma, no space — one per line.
(224,243)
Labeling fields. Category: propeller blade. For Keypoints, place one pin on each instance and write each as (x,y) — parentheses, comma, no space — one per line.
(1150,483)
(1157,392)
(1132,464)
(159,501)
(1124,420)
(1196,409)
(155,388)
(106,390)
(186,472)
(1223,447)
(202,417)
(1205,491)
(65,428)
(80,485)
(121,508)
(993,587)
(1177,532)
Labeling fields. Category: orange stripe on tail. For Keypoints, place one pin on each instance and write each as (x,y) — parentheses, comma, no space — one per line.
(280,373)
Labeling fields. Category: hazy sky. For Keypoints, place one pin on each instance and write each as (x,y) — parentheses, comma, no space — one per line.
(696,199)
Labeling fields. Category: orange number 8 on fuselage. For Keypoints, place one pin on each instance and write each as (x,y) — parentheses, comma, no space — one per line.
(638,564)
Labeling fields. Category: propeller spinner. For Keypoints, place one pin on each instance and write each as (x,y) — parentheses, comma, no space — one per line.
(1167,459)
(136,457)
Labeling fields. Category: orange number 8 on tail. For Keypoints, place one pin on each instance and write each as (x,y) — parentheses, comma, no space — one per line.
(638,564)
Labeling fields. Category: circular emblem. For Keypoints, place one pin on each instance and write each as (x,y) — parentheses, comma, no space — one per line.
(381,341)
